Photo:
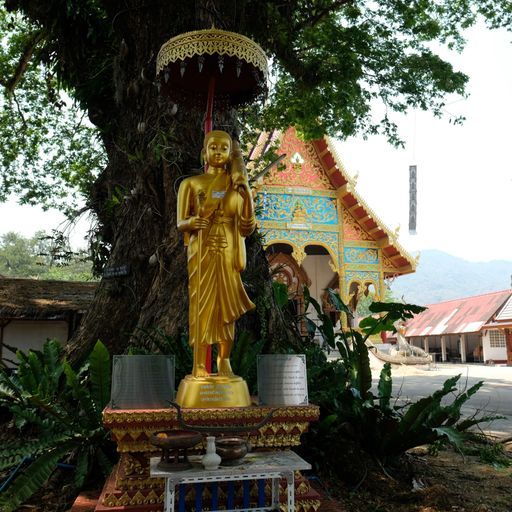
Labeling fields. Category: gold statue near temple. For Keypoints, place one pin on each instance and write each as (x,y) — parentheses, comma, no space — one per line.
(215,213)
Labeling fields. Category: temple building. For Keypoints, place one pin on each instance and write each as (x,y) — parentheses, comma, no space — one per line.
(471,329)
(32,311)
(317,230)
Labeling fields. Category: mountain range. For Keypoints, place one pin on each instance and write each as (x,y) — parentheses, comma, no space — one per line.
(440,276)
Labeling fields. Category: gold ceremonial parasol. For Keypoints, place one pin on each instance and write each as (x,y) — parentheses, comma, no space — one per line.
(194,66)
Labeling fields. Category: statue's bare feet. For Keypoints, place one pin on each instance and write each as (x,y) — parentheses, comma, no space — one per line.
(224,367)
(200,371)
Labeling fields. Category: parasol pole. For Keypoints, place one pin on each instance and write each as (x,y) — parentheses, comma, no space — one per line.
(208,120)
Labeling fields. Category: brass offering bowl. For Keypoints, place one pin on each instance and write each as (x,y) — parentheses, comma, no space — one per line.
(232,450)
(174,445)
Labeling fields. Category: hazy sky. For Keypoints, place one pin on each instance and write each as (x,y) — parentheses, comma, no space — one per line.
(464,172)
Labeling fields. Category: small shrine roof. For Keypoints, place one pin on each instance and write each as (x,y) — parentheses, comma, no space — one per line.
(43,299)
(469,314)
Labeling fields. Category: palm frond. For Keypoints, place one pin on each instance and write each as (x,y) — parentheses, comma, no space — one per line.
(32,478)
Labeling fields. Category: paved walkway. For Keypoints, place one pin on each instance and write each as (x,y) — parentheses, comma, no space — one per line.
(494,398)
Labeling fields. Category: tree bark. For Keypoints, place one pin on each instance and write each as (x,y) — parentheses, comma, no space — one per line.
(150,147)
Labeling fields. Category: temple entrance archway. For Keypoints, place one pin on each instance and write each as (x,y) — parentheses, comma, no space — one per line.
(320,268)
(315,269)
(285,269)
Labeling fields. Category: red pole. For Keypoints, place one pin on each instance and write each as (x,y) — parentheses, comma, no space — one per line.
(208,120)
(208,127)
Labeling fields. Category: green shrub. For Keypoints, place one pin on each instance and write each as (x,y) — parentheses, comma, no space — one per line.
(58,412)
(243,356)
(352,413)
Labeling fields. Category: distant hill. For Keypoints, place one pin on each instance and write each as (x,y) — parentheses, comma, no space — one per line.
(441,276)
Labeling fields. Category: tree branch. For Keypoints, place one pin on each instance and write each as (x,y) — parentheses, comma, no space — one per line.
(20,111)
(32,42)
(313,20)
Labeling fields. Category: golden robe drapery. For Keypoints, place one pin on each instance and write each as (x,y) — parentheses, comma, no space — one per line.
(218,291)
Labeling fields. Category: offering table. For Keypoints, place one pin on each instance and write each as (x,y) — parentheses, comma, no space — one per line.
(130,486)
(258,466)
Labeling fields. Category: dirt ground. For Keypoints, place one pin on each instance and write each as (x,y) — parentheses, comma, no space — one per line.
(446,482)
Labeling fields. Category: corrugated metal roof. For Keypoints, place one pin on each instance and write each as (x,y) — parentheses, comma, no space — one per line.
(506,312)
(458,316)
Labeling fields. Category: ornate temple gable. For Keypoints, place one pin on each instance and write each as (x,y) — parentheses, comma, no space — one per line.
(352,230)
(314,201)
(367,225)
(302,165)
(388,265)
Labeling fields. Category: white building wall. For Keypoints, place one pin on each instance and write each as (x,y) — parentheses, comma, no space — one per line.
(26,334)
(492,353)
(318,270)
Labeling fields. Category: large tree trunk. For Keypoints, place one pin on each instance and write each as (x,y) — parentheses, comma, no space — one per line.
(150,146)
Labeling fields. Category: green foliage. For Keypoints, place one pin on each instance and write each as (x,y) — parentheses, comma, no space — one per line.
(50,153)
(343,57)
(332,63)
(58,413)
(151,341)
(325,325)
(43,256)
(488,451)
(280,293)
(363,304)
(243,356)
(495,455)
(351,412)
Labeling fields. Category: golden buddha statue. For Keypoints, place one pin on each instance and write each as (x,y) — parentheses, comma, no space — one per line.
(215,213)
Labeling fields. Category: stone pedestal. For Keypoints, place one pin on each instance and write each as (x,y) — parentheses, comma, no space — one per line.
(130,488)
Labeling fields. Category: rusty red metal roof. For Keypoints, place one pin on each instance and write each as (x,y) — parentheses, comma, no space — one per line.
(458,316)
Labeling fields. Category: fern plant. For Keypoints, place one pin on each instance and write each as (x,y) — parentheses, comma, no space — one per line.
(352,411)
(58,413)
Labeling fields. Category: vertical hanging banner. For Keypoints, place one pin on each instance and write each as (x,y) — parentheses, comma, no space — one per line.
(412,199)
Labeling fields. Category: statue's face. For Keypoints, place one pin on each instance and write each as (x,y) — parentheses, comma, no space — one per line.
(218,149)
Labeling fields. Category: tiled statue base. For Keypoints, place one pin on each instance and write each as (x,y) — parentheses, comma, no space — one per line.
(130,488)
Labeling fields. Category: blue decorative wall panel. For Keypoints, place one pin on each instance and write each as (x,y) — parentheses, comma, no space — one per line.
(361,255)
(361,276)
(286,207)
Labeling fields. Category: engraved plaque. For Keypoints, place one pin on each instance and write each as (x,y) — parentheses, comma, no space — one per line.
(215,394)
(282,379)
(142,382)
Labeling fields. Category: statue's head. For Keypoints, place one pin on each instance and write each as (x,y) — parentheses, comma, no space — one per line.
(217,148)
